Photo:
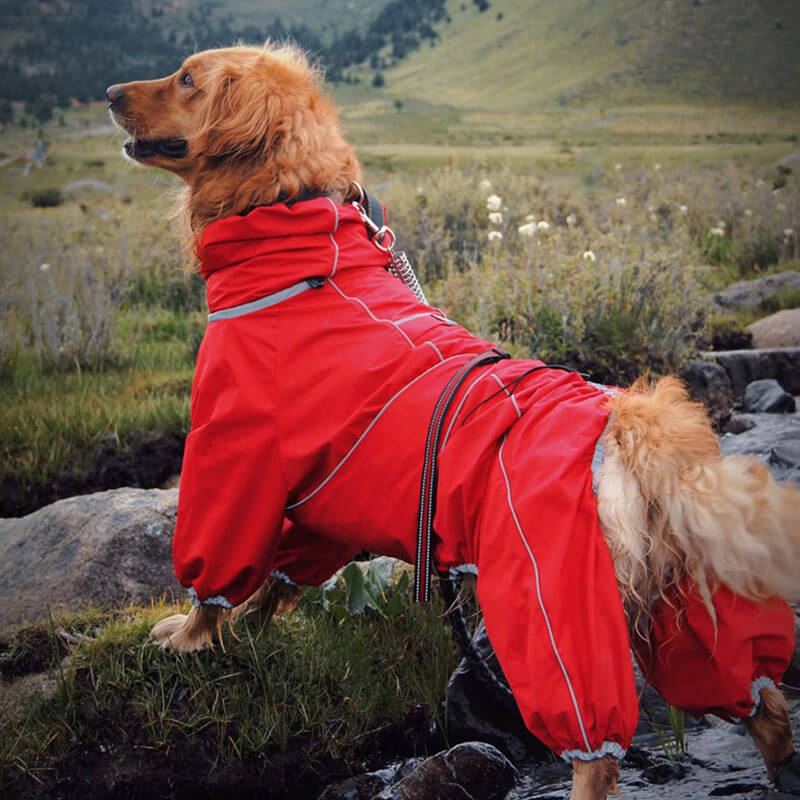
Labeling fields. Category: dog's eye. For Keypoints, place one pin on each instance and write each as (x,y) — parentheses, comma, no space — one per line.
(186,79)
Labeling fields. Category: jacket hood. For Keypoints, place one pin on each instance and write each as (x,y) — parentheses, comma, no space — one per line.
(243,258)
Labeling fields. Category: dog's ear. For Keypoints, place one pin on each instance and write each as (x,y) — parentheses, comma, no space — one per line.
(241,119)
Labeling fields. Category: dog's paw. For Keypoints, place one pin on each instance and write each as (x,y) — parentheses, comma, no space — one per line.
(175,634)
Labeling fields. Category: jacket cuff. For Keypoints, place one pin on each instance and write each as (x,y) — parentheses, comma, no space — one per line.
(605,749)
(282,576)
(755,692)
(219,600)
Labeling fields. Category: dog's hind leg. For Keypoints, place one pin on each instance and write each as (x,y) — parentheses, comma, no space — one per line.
(771,729)
(594,780)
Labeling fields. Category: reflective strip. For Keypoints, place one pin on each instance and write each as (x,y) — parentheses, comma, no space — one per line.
(335,243)
(605,749)
(371,425)
(367,309)
(436,349)
(541,604)
(260,304)
(510,396)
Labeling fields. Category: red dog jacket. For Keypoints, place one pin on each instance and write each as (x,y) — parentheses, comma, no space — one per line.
(309,420)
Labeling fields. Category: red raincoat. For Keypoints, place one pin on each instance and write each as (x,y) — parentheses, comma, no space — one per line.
(309,420)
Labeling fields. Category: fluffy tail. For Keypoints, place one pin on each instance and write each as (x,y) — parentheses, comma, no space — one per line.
(671,506)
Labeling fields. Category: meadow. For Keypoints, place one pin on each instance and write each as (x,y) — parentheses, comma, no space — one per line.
(587,237)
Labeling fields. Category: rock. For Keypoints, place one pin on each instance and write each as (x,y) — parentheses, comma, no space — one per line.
(709,384)
(760,441)
(751,294)
(87,186)
(746,366)
(469,771)
(474,711)
(111,547)
(767,396)
(777,330)
(365,787)
(738,424)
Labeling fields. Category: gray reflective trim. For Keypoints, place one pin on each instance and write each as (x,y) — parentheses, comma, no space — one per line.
(335,243)
(260,304)
(219,600)
(605,749)
(509,395)
(604,389)
(436,349)
(458,407)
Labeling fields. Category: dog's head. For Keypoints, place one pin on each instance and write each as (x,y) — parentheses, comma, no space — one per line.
(243,126)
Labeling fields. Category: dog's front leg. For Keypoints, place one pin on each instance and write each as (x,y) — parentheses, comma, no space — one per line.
(771,729)
(188,633)
(594,780)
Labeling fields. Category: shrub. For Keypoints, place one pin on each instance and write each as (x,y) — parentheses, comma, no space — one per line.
(47,198)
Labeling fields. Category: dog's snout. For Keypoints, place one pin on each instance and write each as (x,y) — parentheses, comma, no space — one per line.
(115,94)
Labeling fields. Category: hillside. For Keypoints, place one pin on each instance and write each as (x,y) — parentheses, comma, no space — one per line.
(519,54)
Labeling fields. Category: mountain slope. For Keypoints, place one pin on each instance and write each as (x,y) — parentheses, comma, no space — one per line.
(519,54)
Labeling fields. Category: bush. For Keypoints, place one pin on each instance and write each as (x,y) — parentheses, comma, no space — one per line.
(47,198)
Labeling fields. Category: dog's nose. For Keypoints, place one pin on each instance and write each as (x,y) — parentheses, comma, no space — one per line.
(114,93)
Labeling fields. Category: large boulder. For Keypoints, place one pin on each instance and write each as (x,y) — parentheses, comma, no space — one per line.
(750,294)
(777,330)
(746,366)
(107,548)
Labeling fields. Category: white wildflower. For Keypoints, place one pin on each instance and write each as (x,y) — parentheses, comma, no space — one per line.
(651,209)
(494,202)
(530,218)
(572,220)
(621,201)
(683,209)
(588,255)
(653,218)
(44,267)
(543,225)
(788,233)
(657,167)
(528,229)
(495,236)
(781,207)
(717,231)
(496,218)
(420,189)
(748,212)
(617,167)
(721,224)
(760,183)
(485,185)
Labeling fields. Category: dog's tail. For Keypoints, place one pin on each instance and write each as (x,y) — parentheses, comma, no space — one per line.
(670,505)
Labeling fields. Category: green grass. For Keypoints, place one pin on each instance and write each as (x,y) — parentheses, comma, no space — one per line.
(307,677)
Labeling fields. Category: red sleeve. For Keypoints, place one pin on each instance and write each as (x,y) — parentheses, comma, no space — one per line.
(307,558)
(233,492)
(704,670)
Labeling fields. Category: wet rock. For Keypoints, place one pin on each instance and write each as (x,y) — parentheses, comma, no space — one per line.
(737,425)
(750,294)
(773,439)
(475,711)
(111,548)
(665,772)
(709,384)
(767,396)
(469,771)
(365,787)
(746,366)
(777,330)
